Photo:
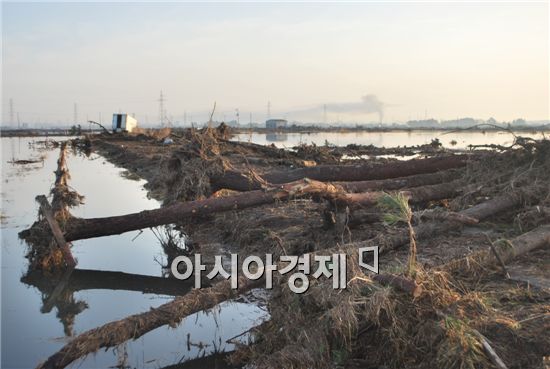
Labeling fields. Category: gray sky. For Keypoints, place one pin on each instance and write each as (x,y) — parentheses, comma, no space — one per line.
(445,59)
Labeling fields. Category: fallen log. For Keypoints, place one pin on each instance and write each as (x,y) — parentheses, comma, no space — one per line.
(401,182)
(428,229)
(78,228)
(238,181)
(507,250)
(62,244)
(135,326)
(96,227)
(115,333)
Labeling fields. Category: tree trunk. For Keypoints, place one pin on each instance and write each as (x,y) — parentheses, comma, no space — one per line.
(135,326)
(97,227)
(401,182)
(114,333)
(428,229)
(62,244)
(329,173)
(527,242)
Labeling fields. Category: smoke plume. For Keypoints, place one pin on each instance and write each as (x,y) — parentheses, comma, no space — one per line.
(368,104)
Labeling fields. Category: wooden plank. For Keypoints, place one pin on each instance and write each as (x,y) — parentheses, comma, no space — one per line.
(47,212)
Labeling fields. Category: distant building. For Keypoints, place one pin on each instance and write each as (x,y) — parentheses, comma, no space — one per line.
(124,123)
(275,123)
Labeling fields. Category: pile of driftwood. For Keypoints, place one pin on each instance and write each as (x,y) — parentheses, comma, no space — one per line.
(441,194)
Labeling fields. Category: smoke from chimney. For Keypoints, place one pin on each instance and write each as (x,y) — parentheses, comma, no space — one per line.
(368,104)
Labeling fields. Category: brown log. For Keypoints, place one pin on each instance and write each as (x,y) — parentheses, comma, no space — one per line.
(345,173)
(480,212)
(527,242)
(401,182)
(97,227)
(428,229)
(135,326)
(47,212)
(115,333)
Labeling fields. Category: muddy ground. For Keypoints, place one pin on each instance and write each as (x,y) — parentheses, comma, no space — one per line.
(462,304)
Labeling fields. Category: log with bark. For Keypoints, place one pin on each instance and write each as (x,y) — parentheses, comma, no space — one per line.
(62,245)
(78,228)
(507,250)
(238,181)
(114,333)
(401,182)
(428,229)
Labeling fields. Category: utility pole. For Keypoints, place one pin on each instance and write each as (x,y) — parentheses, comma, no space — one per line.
(162,111)
(11,112)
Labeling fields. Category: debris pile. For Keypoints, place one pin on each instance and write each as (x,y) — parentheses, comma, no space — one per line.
(454,231)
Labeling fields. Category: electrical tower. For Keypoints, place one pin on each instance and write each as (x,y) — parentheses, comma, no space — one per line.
(11,112)
(162,109)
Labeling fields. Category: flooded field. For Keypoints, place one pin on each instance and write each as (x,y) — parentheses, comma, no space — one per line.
(116,276)
(451,208)
(456,140)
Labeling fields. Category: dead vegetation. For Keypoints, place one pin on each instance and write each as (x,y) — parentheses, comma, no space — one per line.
(443,299)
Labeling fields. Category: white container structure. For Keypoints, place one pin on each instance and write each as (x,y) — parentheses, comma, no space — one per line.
(124,123)
(275,123)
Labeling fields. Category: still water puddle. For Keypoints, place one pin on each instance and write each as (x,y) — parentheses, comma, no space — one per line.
(116,276)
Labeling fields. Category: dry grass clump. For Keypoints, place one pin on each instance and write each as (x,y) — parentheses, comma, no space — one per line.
(379,326)
(187,173)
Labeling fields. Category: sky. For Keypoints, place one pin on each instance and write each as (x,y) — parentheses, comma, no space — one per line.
(359,62)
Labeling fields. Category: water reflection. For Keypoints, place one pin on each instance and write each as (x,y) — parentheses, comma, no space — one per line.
(276,137)
(117,276)
(385,139)
(58,290)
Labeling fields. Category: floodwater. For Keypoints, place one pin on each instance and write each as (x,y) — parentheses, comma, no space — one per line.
(34,326)
(452,140)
